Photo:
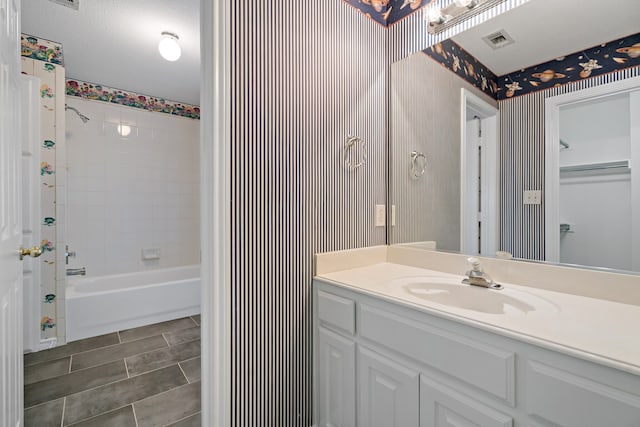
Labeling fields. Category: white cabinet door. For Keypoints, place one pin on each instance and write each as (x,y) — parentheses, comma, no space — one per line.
(387,392)
(563,398)
(441,406)
(337,379)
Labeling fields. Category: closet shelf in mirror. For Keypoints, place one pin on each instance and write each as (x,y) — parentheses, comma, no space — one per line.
(620,166)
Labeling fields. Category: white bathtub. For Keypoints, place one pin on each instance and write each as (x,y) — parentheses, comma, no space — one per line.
(104,304)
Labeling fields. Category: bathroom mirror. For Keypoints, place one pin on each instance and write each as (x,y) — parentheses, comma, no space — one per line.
(467,170)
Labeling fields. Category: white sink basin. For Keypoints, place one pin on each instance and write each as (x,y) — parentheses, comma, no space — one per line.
(451,292)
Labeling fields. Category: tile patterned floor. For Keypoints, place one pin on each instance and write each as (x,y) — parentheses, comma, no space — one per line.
(147,376)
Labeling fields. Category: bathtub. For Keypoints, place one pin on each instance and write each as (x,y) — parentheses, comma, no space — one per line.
(104,304)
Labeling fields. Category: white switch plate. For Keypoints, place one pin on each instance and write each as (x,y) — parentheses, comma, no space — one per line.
(380,215)
(532,197)
(393,215)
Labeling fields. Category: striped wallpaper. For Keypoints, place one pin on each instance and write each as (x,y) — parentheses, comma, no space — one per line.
(522,163)
(304,76)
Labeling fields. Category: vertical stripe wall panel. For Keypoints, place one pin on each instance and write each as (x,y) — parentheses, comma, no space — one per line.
(522,163)
(304,76)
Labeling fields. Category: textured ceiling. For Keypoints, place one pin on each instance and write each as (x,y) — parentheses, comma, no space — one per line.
(546,29)
(115,43)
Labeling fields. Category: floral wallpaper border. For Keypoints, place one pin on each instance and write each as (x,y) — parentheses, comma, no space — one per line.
(99,92)
(387,12)
(602,59)
(41,49)
(457,60)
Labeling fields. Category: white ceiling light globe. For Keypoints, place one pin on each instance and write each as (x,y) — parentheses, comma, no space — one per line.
(169,47)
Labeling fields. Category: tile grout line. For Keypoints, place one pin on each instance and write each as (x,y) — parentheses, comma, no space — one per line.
(166,340)
(119,339)
(70,363)
(98,415)
(165,392)
(182,419)
(126,367)
(135,417)
(185,375)
(64,406)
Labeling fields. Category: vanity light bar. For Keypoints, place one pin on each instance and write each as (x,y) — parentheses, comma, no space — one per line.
(458,11)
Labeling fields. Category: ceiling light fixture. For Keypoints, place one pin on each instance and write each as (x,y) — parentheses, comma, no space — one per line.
(169,47)
(456,12)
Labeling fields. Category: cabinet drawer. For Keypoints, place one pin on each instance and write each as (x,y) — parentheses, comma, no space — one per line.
(336,311)
(563,398)
(488,368)
(441,406)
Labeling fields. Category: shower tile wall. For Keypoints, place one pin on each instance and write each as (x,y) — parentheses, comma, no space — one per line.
(52,201)
(133,192)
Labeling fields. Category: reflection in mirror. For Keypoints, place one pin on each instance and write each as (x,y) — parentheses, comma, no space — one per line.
(483,192)
(593,215)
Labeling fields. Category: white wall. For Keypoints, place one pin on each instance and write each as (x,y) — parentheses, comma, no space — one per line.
(134,192)
(597,205)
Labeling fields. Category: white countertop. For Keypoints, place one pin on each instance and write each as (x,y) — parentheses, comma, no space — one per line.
(598,330)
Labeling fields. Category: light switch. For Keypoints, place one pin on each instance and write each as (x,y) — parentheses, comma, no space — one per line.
(393,215)
(532,197)
(380,216)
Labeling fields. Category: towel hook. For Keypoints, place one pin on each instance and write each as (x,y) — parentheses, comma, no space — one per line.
(351,150)
(418,164)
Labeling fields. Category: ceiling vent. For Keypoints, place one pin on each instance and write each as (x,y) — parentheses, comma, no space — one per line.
(498,40)
(71,4)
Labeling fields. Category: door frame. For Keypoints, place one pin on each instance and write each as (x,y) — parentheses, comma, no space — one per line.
(215,205)
(552,107)
(489,184)
(30,125)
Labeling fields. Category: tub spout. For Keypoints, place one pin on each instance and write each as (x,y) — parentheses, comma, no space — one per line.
(77,271)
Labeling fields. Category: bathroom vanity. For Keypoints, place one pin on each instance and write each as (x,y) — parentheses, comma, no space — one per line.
(400,344)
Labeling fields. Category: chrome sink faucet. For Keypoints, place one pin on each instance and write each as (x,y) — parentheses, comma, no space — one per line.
(476,276)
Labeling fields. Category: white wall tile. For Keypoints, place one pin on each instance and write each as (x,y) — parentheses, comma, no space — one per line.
(128,193)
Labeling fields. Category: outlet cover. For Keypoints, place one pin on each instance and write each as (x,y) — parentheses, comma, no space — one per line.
(532,197)
(393,215)
(380,216)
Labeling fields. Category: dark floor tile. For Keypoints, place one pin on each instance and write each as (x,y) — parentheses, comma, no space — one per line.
(122,417)
(115,395)
(71,348)
(74,382)
(191,369)
(168,407)
(156,329)
(46,415)
(46,370)
(196,318)
(183,335)
(192,421)
(146,362)
(116,352)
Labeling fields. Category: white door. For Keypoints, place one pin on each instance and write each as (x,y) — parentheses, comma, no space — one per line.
(10,218)
(479,177)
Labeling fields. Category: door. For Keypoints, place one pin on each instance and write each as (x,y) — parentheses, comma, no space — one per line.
(337,369)
(387,392)
(479,177)
(10,219)
(441,406)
